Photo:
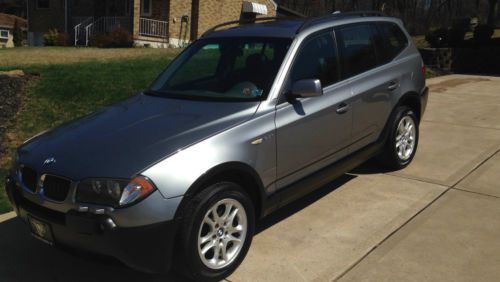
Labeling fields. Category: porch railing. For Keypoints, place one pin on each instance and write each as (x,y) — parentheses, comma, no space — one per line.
(155,28)
(104,25)
(79,29)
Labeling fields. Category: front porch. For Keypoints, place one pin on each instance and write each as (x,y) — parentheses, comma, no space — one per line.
(146,20)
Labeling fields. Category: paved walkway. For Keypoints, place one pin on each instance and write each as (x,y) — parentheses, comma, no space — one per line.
(437,220)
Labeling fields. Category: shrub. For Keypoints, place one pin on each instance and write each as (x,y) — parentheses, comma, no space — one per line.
(17,34)
(63,39)
(100,40)
(118,38)
(121,38)
(437,38)
(483,33)
(50,38)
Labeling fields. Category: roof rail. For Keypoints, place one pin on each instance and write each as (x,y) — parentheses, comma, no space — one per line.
(339,15)
(240,22)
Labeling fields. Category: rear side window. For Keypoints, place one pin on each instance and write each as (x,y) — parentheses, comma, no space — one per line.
(357,48)
(390,42)
(317,59)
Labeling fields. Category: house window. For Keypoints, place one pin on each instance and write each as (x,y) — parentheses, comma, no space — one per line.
(4,34)
(42,4)
(146,7)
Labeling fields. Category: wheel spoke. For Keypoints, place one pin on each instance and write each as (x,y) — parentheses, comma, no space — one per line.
(216,252)
(206,238)
(210,222)
(224,251)
(398,144)
(231,238)
(232,216)
(208,247)
(235,229)
(215,214)
(227,210)
(401,150)
(410,127)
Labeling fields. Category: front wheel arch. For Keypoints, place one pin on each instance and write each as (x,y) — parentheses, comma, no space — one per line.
(236,172)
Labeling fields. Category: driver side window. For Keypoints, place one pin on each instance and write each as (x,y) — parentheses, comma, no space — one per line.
(317,59)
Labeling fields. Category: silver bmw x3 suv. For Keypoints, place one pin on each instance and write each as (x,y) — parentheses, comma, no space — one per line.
(245,120)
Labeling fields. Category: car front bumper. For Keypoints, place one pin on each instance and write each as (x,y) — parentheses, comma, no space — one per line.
(146,248)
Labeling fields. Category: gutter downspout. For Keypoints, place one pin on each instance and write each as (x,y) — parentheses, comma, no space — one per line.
(28,23)
(66,16)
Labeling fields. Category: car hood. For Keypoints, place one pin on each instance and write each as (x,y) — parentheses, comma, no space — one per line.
(123,139)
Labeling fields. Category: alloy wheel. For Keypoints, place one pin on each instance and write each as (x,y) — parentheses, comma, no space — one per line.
(405,138)
(222,233)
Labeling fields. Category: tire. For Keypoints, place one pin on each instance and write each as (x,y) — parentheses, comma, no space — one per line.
(200,224)
(400,149)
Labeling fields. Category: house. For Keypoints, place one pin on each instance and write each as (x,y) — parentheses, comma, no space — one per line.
(151,22)
(7,23)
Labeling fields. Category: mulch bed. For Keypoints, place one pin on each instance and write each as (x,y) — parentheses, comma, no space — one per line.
(12,86)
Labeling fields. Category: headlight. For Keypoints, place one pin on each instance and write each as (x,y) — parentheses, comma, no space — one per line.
(112,192)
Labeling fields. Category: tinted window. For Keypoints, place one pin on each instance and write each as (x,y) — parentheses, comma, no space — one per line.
(391,41)
(317,60)
(357,48)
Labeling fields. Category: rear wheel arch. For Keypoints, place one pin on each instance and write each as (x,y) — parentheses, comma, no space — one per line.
(236,172)
(412,100)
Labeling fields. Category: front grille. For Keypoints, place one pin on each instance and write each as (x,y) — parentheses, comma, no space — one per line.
(39,211)
(29,178)
(56,188)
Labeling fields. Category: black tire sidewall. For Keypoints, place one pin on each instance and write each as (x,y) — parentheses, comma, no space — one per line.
(394,160)
(199,205)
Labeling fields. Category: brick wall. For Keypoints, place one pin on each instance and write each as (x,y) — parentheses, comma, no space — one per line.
(179,8)
(136,12)
(213,12)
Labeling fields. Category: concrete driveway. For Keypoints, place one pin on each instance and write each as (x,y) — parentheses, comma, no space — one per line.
(437,220)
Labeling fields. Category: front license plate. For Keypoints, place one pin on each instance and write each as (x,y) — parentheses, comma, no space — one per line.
(41,230)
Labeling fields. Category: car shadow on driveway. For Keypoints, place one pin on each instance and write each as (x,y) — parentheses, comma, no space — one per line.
(302,203)
(24,258)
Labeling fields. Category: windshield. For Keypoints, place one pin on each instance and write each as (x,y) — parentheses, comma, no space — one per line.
(223,69)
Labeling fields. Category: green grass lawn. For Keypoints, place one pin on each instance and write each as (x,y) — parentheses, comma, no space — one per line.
(68,88)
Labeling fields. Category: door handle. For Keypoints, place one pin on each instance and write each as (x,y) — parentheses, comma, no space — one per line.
(342,108)
(393,85)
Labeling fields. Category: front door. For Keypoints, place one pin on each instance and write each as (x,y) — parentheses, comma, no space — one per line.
(313,132)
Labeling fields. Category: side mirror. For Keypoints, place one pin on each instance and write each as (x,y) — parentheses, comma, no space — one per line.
(307,88)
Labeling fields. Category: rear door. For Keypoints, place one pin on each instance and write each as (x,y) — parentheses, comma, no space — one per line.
(313,132)
(373,84)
